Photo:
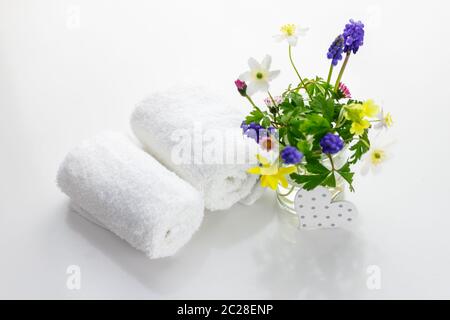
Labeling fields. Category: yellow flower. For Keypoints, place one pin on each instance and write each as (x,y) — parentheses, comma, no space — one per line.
(353,112)
(358,127)
(271,174)
(358,114)
(388,120)
(384,120)
(370,109)
(288,29)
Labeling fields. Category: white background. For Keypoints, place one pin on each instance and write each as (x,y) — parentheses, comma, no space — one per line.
(70,69)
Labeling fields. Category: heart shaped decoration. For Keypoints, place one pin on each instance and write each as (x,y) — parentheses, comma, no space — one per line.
(316,210)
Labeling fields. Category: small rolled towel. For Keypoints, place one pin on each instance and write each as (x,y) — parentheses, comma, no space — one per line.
(123,189)
(195,116)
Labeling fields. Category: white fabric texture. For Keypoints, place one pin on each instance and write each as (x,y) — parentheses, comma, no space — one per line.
(166,119)
(125,190)
(254,195)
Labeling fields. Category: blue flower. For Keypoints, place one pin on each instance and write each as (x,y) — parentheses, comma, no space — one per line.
(353,36)
(255,131)
(244,126)
(336,49)
(291,155)
(331,143)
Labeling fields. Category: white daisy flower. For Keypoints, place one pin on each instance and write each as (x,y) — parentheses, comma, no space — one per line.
(378,154)
(384,120)
(290,33)
(258,77)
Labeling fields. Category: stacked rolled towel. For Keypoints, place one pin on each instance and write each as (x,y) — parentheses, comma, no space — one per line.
(122,188)
(193,116)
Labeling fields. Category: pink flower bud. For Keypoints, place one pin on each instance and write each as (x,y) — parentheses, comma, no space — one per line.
(241,87)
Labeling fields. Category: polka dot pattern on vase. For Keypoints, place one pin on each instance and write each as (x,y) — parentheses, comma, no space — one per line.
(316,210)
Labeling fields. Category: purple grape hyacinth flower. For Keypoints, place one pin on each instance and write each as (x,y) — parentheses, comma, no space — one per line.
(244,126)
(291,155)
(353,36)
(255,131)
(335,50)
(252,131)
(331,143)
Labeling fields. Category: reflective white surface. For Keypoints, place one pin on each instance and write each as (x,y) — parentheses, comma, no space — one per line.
(69,69)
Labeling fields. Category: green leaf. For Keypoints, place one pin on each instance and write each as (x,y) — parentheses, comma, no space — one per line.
(304,146)
(317,174)
(255,116)
(344,132)
(312,181)
(296,100)
(291,107)
(287,116)
(316,167)
(312,156)
(360,147)
(309,88)
(265,122)
(315,124)
(319,87)
(330,180)
(259,117)
(308,182)
(324,106)
(292,137)
(281,134)
(347,174)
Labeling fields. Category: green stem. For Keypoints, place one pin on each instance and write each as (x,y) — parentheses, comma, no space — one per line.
(288,193)
(252,103)
(273,100)
(293,65)
(330,72)
(336,86)
(274,123)
(331,162)
(365,142)
(275,106)
(341,118)
(296,71)
(362,140)
(297,88)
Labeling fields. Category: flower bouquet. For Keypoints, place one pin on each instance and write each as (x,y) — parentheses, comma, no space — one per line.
(315,130)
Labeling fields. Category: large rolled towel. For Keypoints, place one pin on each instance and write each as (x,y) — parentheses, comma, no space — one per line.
(193,117)
(122,188)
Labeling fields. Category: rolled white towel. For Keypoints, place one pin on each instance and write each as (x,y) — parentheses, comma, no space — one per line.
(122,188)
(192,116)
(254,195)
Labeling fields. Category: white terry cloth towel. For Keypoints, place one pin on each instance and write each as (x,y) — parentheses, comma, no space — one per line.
(115,184)
(189,129)
(254,195)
